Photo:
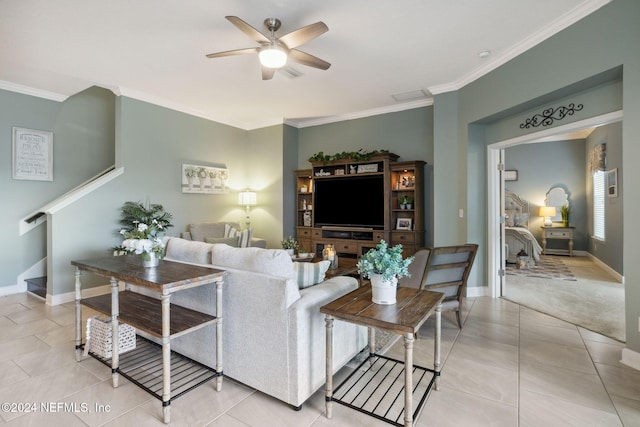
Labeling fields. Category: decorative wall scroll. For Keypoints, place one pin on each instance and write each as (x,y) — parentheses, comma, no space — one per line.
(550,115)
(32,154)
(204,179)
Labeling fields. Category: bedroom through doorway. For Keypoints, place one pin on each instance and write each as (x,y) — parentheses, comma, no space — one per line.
(576,289)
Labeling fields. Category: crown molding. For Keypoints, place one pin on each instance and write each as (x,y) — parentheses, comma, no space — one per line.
(302,123)
(553,28)
(26,90)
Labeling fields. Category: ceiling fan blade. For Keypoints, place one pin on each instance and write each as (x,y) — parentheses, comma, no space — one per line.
(308,60)
(267,73)
(302,35)
(248,29)
(234,52)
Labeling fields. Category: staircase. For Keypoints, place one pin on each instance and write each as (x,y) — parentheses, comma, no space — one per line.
(37,286)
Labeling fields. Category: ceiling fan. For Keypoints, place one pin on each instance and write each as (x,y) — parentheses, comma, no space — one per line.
(274,51)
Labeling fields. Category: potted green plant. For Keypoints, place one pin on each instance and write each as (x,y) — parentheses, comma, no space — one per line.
(408,201)
(143,227)
(290,245)
(384,266)
(564,211)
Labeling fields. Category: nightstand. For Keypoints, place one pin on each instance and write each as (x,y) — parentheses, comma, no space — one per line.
(560,233)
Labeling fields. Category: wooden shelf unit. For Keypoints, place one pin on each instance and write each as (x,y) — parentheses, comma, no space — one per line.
(355,241)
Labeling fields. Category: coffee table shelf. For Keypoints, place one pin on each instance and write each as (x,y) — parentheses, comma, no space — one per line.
(143,367)
(376,389)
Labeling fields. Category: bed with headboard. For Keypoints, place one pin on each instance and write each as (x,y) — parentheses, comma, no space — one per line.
(516,231)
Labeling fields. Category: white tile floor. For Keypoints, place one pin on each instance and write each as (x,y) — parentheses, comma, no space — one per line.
(509,366)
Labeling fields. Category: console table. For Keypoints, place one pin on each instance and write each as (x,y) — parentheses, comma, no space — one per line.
(369,390)
(157,317)
(560,233)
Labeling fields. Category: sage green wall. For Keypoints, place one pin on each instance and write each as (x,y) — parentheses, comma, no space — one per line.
(600,42)
(611,250)
(265,163)
(83,146)
(409,134)
(289,184)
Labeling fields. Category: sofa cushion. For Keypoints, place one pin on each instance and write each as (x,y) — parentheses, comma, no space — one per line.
(310,273)
(188,251)
(231,241)
(275,262)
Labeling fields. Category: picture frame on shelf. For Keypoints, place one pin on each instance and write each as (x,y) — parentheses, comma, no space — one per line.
(404,224)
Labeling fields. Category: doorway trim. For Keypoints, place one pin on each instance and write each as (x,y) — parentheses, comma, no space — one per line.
(495,260)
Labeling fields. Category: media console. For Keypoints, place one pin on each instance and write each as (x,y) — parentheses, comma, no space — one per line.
(345,216)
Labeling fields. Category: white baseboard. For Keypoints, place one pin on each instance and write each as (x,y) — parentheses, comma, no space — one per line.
(631,358)
(611,271)
(478,291)
(86,293)
(13,289)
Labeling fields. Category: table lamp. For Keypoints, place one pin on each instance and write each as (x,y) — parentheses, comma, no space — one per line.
(547,212)
(247,199)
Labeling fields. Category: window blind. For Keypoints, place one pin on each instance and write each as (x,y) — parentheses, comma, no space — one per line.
(599,195)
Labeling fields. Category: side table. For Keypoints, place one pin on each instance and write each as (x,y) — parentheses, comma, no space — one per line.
(412,309)
(560,233)
(157,317)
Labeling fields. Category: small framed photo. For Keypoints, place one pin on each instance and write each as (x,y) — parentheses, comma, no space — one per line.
(404,224)
(612,183)
(510,175)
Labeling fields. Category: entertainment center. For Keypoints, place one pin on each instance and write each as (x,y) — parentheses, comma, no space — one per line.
(353,204)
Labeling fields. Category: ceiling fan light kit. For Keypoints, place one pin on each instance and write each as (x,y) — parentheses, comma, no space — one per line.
(272,56)
(275,51)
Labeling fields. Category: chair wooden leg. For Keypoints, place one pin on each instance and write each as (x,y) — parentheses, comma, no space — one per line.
(458,319)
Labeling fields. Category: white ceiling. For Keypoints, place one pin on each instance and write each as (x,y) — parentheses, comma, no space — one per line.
(154,50)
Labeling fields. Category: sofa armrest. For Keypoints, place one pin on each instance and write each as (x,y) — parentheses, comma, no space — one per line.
(258,242)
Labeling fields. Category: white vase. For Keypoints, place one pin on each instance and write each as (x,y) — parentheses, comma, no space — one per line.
(383,291)
(150,259)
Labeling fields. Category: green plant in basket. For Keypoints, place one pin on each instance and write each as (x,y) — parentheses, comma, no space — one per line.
(385,261)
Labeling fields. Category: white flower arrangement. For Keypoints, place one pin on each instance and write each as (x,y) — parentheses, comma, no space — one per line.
(144,228)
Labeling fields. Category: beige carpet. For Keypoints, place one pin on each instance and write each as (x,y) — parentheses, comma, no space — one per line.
(594,300)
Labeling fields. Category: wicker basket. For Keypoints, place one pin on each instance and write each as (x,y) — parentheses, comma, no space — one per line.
(99,337)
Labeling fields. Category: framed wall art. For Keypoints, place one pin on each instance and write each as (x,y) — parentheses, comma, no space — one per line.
(32,155)
(510,175)
(612,182)
(204,179)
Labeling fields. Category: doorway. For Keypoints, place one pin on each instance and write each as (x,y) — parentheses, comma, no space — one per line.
(496,258)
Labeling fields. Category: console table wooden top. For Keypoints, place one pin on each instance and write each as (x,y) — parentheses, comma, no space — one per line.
(412,308)
(166,278)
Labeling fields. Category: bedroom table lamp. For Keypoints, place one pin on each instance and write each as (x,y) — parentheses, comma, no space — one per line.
(547,212)
(247,199)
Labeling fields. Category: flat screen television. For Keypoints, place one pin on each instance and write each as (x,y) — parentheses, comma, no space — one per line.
(349,201)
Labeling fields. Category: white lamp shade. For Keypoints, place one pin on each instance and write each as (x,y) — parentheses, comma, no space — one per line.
(247,198)
(548,211)
(272,57)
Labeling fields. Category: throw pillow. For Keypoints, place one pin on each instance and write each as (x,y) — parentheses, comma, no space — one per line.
(244,236)
(310,273)
(244,240)
(231,241)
